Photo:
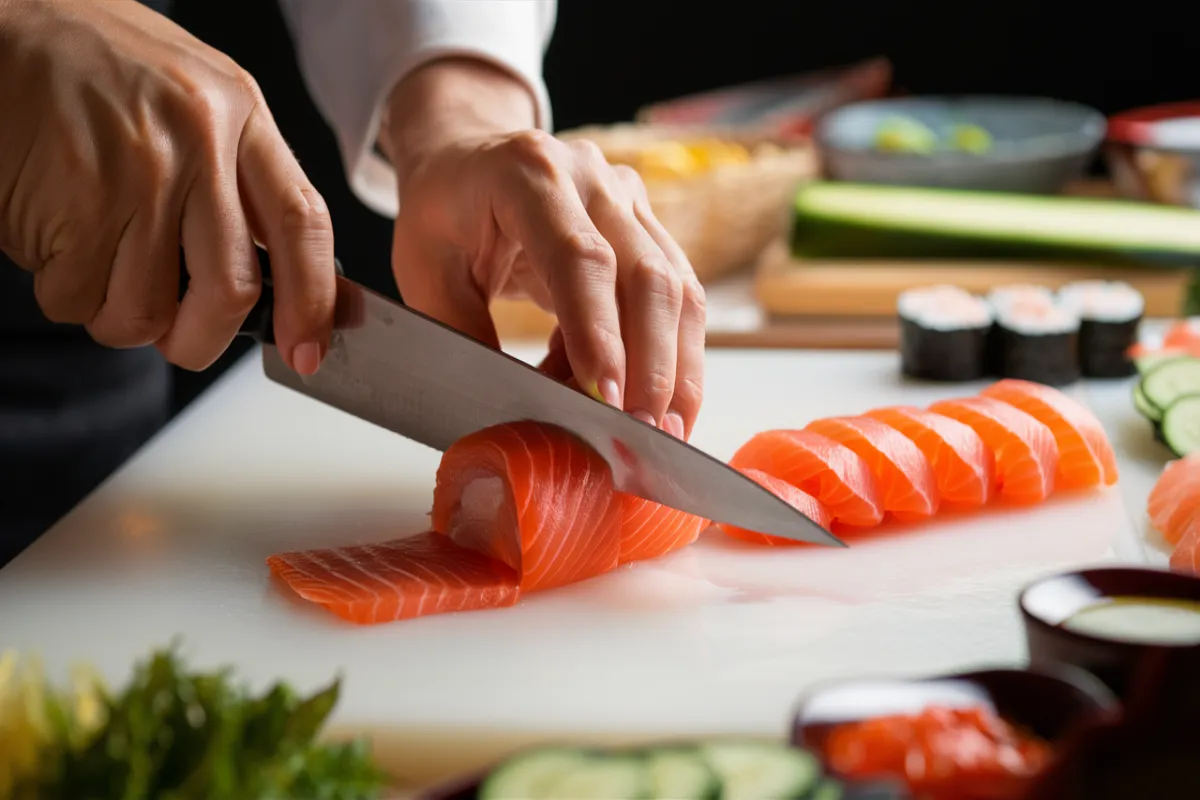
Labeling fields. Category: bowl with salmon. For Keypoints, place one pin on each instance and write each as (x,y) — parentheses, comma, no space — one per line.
(1114,622)
(978,734)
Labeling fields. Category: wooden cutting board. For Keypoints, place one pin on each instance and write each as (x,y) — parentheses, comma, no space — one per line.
(786,286)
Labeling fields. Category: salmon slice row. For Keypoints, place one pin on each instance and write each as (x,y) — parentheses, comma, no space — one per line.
(1018,441)
(517,508)
(527,507)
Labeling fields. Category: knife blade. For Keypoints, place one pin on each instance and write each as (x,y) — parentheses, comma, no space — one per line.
(408,373)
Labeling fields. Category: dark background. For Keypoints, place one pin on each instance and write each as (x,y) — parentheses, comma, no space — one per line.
(609,57)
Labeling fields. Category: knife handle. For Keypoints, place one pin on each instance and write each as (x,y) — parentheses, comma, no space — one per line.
(259,324)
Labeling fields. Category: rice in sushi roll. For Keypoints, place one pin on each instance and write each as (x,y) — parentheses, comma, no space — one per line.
(943,333)
(1003,300)
(1109,313)
(1037,342)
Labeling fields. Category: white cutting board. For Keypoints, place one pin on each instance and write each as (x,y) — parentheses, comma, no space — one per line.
(719,638)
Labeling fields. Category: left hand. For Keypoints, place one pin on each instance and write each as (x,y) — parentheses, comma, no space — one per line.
(515,212)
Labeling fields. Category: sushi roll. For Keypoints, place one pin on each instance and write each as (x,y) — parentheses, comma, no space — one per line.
(1002,299)
(1037,342)
(943,333)
(1110,313)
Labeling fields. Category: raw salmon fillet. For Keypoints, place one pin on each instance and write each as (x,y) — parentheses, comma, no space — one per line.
(808,505)
(650,530)
(1085,457)
(1174,502)
(534,497)
(902,472)
(1025,451)
(404,578)
(829,471)
(962,464)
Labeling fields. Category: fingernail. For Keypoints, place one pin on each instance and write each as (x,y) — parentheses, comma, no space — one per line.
(306,358)
(606,392)
(644,416)
(673,424)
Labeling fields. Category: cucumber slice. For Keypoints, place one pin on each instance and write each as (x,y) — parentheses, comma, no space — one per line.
(555,773)
(752,770)
(681,775)
(1170,380)
(1144,406)
(1181,425)
(1151,360)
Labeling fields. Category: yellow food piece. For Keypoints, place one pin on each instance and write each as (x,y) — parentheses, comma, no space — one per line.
(672,160)
(25,728)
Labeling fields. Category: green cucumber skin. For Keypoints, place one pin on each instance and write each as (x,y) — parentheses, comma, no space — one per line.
(1144,406)
(812,212)
(1186,407)
(815,237)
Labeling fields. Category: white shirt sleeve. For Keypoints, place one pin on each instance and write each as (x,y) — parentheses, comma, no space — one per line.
(353,52)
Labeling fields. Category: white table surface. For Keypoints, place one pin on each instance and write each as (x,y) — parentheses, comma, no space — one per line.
(715,639)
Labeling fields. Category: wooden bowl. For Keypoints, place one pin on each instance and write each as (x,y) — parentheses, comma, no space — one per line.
(1048,603)
(723,217)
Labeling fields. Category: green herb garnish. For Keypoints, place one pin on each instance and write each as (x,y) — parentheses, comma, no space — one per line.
(172,734)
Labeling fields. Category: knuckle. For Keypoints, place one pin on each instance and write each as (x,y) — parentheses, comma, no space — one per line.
(588,152)
(591,248)
(689,394)
(655,278)
(303,213)
(246,84)
(236,292)
(535,149)
(658,382)
(694,297)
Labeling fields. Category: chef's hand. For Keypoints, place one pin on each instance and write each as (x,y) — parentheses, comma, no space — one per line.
(123,138)
(491,207)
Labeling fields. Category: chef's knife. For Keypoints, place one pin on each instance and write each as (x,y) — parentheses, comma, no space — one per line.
(401,370)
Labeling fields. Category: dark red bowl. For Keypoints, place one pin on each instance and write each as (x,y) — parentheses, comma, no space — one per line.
(1052,703)
(1046,604)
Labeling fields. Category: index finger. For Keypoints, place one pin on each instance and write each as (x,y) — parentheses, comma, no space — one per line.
(291,217)
(542,210)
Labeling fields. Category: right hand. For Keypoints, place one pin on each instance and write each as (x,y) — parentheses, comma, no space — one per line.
(123,138)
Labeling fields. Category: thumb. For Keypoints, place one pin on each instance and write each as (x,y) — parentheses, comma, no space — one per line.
(440,285)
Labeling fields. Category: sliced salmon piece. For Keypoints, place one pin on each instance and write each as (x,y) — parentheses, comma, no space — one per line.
(902,472)
(1085,456)
(1026,455)
(829,471)
(805,503)
(1186,555)
(534,497)
(650,530)
(1175,499)
(1183,334)
(962,464)
(401,579)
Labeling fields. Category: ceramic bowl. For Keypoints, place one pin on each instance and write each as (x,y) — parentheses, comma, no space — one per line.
(1153,153)
(1038,144)
(1052,703)
(1046,604)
